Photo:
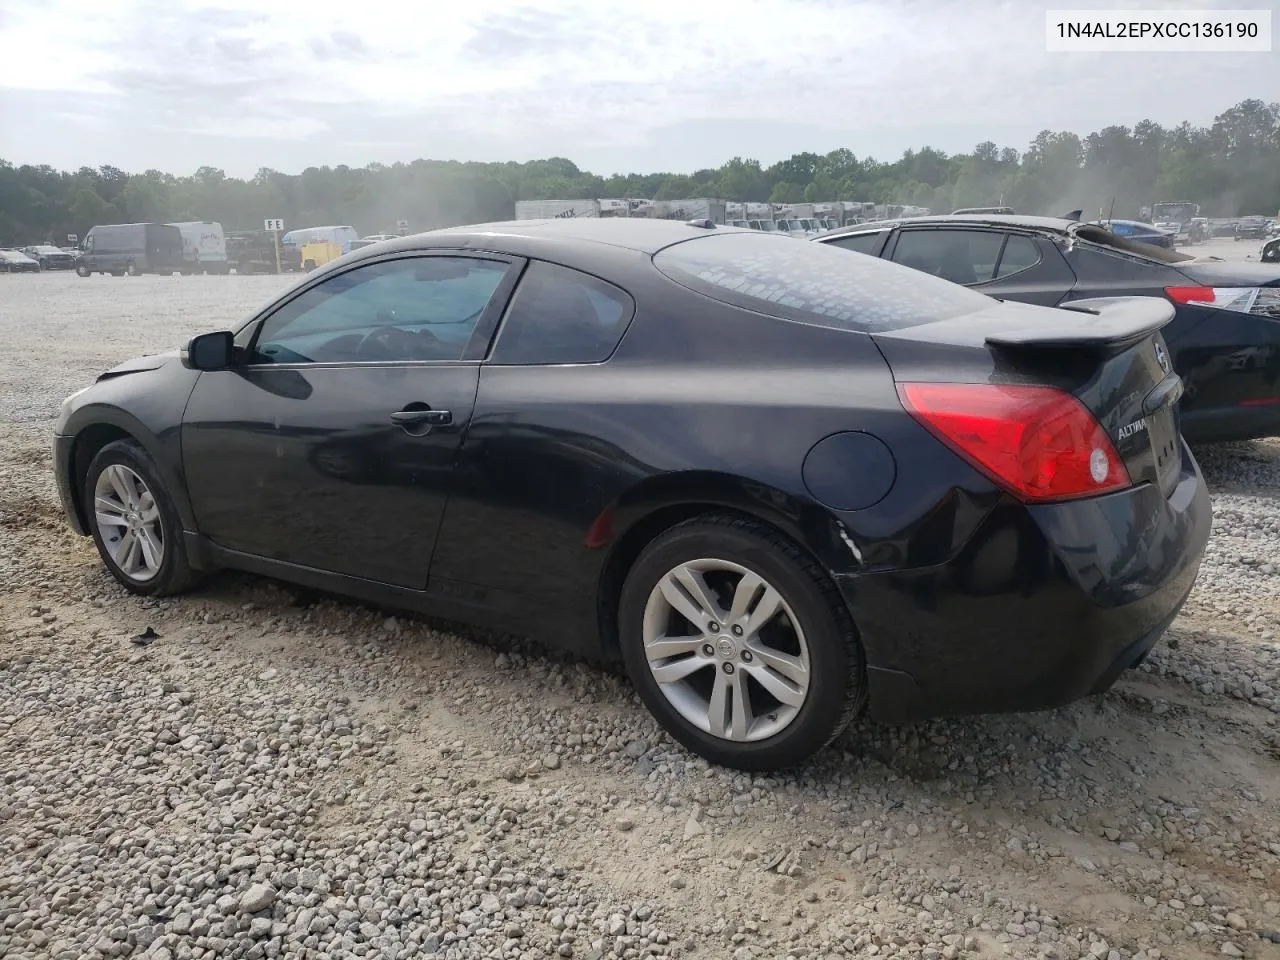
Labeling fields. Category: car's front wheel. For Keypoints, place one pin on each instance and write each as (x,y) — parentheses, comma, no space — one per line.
(739,644)
(134,522)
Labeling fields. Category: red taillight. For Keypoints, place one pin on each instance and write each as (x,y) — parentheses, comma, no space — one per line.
(1037,442)
(1203,295)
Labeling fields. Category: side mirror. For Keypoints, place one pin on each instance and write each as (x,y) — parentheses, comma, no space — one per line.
(209,351)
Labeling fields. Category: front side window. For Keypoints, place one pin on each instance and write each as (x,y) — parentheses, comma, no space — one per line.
(559,315)
(961,256)
(812,283)
(417,308)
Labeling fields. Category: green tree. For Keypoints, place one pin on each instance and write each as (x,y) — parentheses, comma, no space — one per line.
(1231,167)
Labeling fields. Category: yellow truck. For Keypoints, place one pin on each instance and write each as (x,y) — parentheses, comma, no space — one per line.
(318,253)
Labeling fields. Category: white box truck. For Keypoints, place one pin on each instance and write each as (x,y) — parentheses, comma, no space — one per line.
(204,248)
(553,209)
(697,208)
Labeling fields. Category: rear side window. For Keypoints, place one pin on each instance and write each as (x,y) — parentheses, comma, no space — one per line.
(1020,253)
(559,315)
(961,256)
(812,283)
(859,242)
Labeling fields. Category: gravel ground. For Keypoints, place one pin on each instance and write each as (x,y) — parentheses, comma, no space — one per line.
(285,775)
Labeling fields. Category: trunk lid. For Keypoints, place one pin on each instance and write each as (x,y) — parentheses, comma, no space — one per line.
(1228,273)
(1108,353)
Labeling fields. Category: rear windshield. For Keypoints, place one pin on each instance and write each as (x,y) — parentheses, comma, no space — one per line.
(1105,238)
(813,283)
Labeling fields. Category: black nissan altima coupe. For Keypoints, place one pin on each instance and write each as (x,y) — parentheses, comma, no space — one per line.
(780,483)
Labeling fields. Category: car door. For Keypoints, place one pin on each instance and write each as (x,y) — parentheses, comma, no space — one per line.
(529,467)
(333,445)
(1000,263)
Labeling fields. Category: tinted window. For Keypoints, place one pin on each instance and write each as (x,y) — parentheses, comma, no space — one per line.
(961,256)
(1020,253)
(861,242)
(559,315)
(812,282)
(422,308)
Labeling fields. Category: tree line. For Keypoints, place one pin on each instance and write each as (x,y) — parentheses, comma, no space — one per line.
(1231,168)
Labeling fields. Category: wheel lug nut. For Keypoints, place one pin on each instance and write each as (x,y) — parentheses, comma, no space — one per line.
(746,656)
(737,630)
(709,650)
(713,627)
(728,668)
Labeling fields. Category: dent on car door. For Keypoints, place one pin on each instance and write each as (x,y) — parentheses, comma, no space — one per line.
(333,446)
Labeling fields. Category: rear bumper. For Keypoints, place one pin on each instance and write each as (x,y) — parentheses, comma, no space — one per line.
(1045,605)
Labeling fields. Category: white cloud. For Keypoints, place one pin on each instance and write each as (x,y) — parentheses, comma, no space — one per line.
(493,79)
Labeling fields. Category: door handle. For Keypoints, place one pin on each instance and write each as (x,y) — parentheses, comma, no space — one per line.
(434,418)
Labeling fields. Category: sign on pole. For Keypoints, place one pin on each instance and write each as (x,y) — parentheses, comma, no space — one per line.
(73,238)
(275,225)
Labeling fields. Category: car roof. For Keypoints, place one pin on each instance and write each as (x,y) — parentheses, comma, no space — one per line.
(640,234)
(1050,224)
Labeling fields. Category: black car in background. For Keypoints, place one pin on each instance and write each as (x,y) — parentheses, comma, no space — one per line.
(131,249)
(50,257)
(15,261)
(778,481)
(1224,338)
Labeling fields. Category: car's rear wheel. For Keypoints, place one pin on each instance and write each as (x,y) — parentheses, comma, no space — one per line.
(739,644)
(82,270)
(132,269)
(134,522)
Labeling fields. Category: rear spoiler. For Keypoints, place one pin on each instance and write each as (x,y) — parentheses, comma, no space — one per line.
(1108,325)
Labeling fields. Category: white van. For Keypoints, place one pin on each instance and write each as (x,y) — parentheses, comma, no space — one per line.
(204,248)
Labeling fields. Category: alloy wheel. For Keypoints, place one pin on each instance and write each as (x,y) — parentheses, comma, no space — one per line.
(726,650)
(128,521)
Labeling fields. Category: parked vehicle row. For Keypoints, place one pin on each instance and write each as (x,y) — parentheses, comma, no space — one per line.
(1224,338)
(50,257)
(781,482)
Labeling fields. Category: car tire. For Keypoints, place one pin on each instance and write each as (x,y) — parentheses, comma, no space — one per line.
(82,270)
(821,675)
(122,482)
(131,269)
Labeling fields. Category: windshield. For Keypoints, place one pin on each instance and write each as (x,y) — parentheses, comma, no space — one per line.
(813,283)
(768,226)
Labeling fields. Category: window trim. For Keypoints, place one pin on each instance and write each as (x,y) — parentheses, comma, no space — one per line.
(475,350)
(496,337)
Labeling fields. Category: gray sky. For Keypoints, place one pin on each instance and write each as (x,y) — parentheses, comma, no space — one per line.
(614,86)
